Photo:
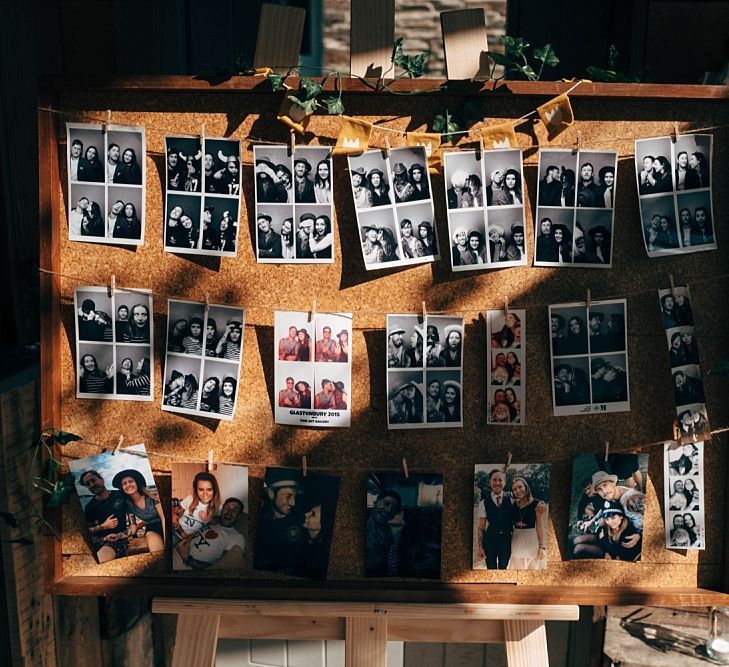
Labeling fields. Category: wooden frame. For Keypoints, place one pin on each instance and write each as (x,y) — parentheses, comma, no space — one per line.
(331,590)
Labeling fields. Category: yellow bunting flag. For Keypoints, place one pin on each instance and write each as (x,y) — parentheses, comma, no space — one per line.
(262,71)
(293,116)
(354,136)
(431,142)
(556,114)
(499,136)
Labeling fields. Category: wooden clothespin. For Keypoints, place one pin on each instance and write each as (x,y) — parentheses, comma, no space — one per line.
(578,140)
(673,287)
(674,136)
(425,313)
(107,122)
(312,313)
(207,300)
(480,147)
(303,466)
(506,306)
(387,147)
(676,432)
(118,444)
(607,450)
(292,143)
(211,463)
(111,287)
(202,132)
(508,462)
(405,467)
(589,300)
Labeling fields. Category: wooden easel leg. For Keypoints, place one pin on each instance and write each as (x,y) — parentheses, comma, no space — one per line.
(196,640)
(366,642)
(526,643)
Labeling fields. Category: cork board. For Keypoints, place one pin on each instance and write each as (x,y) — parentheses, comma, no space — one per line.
(252,438)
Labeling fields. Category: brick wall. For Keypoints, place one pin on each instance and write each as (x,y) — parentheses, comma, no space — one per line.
(418,21)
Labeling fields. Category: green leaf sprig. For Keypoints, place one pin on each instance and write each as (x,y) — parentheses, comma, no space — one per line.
(515,59)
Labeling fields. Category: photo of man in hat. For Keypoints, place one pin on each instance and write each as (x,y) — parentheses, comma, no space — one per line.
(401,185)
(405,404)
(269,241)
(419,181)
(362,194)
(396,356)
(609,381)
(379,187)
(269,188)
(303,183)
(570,385)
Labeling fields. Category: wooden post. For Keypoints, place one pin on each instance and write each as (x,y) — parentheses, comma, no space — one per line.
(280,32)
(371,35)
(465,43)
(526,643)
(196,640)
(365,644)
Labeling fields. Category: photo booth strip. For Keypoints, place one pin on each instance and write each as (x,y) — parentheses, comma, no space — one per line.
(683,495)
(506,366)
(107,176)
(424,362)
(294,205)
(296,522)
(209,531)
(677,315)
(202,196)
(393,200)
(589,355)
(127,530)
(114,343)
(511,516)
(674,177)
(602,489)
(485,217)
(575,219)
(312,369)
(413,503)
(203,358)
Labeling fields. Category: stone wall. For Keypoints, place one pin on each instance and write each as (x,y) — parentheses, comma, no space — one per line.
(418,21)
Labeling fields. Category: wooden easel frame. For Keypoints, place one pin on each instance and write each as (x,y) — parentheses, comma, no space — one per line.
(365,628)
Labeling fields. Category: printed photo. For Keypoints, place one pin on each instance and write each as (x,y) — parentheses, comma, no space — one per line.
(506,370)
(510,516)
(404,525)
(120,503)
(683,483)
(607,506)
(296,523)
(209,516)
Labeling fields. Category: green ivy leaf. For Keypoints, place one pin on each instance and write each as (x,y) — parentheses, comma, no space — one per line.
(334,105)
(600,74)
(500,58)
(64,437)
(310,88)
(527,71)
(276,80)
(446,125)
(396,49)
(307,105)
(514,45)
(546,55)
(62,491)
(51,466)
(414,66)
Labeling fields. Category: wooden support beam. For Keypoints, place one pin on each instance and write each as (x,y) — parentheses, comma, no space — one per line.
(465,43)
(196,640)
(371,35)
(526,643)
(280,32)
(366,642)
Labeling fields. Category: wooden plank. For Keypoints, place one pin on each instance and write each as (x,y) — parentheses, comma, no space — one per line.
(196,640)
(526,644)
(445,630)
(366,642)
(77,625)
(281,627)
(465,43)
(280,32)
(371,36)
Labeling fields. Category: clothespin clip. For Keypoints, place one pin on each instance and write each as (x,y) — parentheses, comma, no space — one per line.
(211,464)
(207,300)
(506,306)
(425,312)
(589,299)
(607,450)
(111,287)
(405,467)
(312,314)
(303,466)
(387,147)
(676,433)
(202,132)
(118,444)
(578,140)
(480,147)
(508,462)
(674,136)
(107,122)
(673,287)
(292,143)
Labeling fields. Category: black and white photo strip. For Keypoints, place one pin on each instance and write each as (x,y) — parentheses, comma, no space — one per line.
(424,371)
(120,502)
(114,343)
(209,516)
(485,195)
(683,495)
(202,364)
(674,188)
(589,357)
(404,525)
(313,368)
(506,371)
(688,386)
(393,200)
(607,508)
(574,225)
(294,205)
(202,196)
(106,183)
(296,522)
(510,516)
